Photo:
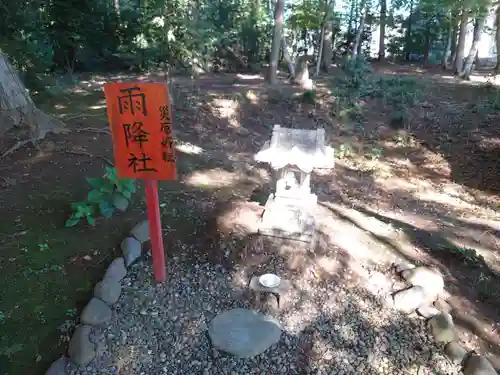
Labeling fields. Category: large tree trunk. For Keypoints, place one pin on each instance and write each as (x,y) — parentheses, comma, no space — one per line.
(469,62)
(328,38)
(497,38)
(462,34)
(381,43)
(359,33)
(447,51)
(275,50)
(17,109)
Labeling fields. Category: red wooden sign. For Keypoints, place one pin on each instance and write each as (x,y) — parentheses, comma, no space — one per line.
(141,126)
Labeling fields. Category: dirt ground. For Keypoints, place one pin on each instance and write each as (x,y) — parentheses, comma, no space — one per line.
(431,197)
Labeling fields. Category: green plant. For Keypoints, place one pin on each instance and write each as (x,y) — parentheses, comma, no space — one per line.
(344,151)
(376,153)
(108,193)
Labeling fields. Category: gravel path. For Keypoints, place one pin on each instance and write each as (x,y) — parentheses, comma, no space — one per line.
(328,328)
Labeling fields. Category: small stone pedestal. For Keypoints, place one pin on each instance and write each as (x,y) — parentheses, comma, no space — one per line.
(279,292)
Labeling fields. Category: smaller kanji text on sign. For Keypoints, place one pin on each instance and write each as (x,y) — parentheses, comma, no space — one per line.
(141,125)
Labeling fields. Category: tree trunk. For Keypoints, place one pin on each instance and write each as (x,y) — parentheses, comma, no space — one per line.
(328,38)
(447,51)
(497,38)
(408,32)
(287,57)
(462,34)
(359,33)
(427,44)
(275,50)
(381,43)
(454,36)
(17,109)
(469,62)
(322,39)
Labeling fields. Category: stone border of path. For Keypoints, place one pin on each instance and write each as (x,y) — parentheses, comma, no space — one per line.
(99,310)
(423,296)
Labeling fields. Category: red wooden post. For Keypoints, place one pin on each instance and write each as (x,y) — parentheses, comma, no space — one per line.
(153,206)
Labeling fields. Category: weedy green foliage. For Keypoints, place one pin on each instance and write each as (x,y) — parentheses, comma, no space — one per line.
(108,193)
(358,83)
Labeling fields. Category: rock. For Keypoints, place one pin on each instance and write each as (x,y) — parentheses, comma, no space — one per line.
(131,249)
(428,278)
(442,327)
(477,365)
(409,299)
(442,305)
(116,269)
(81,350)
(427,311)
(96,313)
(243,333)
(120,202)
(378,283)
(403,266)
(58,367)
(108,290)
(455,352)
(141,231)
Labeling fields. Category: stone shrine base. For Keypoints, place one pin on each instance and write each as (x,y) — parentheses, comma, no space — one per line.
(290,218)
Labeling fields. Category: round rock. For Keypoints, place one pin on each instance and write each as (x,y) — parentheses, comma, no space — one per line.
(59,367)
(81,350)
(477,365)
(427,278)
(116,269)
(131,250)
(442,328)
(243,333)
(455,352)
(408,300)
(96,313)
(141,231)
(108,290)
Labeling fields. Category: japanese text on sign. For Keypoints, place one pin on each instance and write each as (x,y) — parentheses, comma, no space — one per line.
(141,124)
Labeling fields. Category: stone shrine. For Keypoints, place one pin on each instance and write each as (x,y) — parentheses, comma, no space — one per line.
(293,154)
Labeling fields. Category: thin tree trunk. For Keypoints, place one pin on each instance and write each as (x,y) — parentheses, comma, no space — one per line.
(447,51)
(359,33)
(458,63)
(427,44)
(454,36)
(383,17)
(469,62)
(287,57)
(322,39)
(497,38)
(408,32)
(275,50)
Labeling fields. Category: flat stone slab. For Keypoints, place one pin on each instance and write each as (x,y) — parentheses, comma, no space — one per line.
(243,333)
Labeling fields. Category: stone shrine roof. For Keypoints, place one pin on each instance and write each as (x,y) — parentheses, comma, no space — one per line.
(300,147)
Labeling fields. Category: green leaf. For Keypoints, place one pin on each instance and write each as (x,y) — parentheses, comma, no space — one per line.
(79,214)
(77,205)
(95,196)
(111,175)
(96,182)
(127,194)
(71,222)
(106,209)
(91,220)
